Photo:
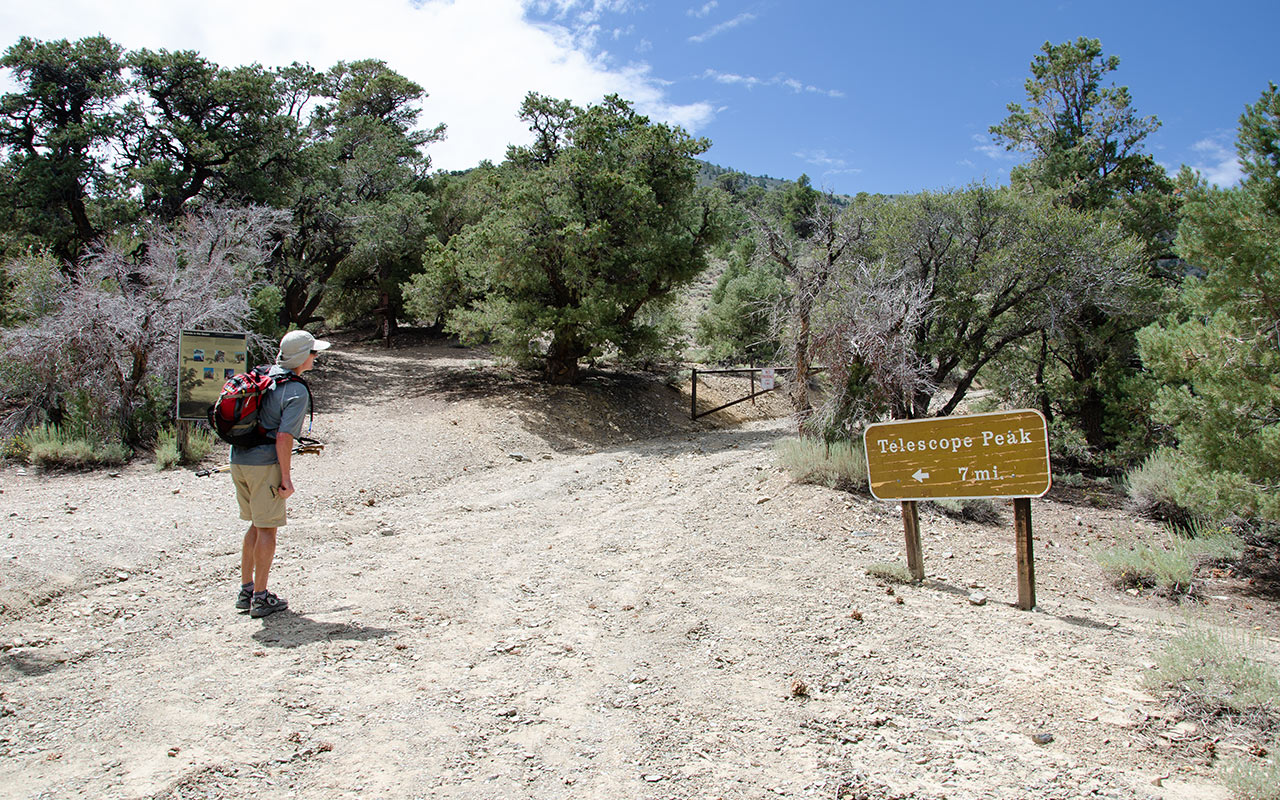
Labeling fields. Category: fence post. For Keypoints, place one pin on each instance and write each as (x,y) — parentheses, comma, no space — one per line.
(693,396)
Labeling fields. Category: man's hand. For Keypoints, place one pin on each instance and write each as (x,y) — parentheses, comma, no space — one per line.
(284,454)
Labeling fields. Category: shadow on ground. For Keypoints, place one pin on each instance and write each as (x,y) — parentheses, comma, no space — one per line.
(606,409)
(288,630)
(1260,567)
(1096,496)
(31,662)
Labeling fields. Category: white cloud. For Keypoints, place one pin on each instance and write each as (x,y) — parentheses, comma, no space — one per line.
(703,10)
(732,78)
(716,30)
(583,11)
(751,82)
(475,58)
(820,158)
(993,151)
(1217,162)
(828,163)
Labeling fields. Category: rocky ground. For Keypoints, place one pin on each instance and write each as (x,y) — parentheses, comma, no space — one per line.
(500,589)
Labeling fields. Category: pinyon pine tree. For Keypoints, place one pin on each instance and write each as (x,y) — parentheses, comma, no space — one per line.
(1218,357)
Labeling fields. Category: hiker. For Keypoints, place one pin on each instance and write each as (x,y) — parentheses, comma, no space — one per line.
(262,475)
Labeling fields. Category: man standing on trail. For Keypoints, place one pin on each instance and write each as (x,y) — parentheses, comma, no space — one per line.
(263,475)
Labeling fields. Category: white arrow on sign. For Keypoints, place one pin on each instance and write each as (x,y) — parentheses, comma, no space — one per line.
(920,475)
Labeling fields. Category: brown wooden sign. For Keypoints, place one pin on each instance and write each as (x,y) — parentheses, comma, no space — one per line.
(1005,454)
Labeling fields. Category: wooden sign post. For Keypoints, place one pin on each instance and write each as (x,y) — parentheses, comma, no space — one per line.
(1026,561)
(911,527)
(979,456)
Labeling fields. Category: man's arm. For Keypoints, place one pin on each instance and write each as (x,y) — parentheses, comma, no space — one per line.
(284,454)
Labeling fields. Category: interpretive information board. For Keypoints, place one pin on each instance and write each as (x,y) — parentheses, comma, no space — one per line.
(205,361)
(1005,454)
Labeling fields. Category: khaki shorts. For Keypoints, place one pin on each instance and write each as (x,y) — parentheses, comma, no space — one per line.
(257,492)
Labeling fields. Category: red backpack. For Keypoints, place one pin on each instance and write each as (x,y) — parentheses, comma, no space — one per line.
(234,417)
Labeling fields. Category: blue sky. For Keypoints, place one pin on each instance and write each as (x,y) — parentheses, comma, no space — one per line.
(861,96)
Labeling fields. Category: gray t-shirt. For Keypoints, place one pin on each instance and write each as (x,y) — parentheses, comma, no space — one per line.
(283,408)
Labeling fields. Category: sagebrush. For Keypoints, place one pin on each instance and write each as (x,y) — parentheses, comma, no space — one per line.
(1168,563)
(838,465)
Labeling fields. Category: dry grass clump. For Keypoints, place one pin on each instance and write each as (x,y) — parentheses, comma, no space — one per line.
(982,511)
(199,444)
(1253,778)
(838,465)
(890,573)
(1214,677)
(51,447)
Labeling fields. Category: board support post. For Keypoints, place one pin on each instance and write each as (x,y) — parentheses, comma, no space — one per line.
(911,528)
(1026,557)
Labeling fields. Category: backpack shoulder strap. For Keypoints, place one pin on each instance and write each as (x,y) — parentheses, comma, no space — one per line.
(292,377)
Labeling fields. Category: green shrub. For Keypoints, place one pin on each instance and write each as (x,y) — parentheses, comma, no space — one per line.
(1212,678)
(737,325)
(891,573)
(1073,480)
(1253,779)
(1067,444)
(1169,565)
(1148,566)
(1152,489)
(152,411)
(1212,543)
(838,465)
(199,444)
(51,447)
(266,302)
(1215,682)
(15,448)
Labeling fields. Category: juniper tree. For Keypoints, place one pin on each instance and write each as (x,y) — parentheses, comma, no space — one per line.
(598,219)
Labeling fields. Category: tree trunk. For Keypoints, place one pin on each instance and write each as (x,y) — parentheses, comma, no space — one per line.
(1042,394)
(1092,413)
(562,360)
(799,393)
(388,314)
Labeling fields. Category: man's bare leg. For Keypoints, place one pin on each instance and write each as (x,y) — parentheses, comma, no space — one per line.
(263,553)
(247,551)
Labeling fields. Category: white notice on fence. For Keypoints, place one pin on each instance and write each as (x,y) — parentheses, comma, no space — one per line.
(766,379)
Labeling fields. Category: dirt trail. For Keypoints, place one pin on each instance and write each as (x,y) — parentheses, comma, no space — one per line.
(500,589)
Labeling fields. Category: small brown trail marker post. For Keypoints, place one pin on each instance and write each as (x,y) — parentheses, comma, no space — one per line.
(1026,559)
(1005,454)
(911,527)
